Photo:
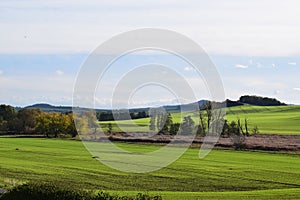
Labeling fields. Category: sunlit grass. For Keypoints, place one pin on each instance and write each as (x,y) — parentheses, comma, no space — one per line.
(269,119)
(68,162)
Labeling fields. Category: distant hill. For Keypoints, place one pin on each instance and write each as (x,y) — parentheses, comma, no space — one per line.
(230,103)
(185,107)
(260,101)
(42,105)
(62,109)
(50,108)
(246,99)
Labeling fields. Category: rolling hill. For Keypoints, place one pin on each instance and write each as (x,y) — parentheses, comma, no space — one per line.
(270,115)
(269,119)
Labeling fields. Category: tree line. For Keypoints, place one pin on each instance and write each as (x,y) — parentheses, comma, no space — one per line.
(34,121)
(207,122)
(120,115)
(260,101)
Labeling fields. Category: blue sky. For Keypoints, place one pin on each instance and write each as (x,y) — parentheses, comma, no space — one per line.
(254,44)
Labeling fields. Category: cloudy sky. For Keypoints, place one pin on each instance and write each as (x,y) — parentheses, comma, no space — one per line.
(254,45)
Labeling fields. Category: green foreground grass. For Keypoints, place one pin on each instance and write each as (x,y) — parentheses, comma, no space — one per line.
(257,194)
(225,174)
(269,119)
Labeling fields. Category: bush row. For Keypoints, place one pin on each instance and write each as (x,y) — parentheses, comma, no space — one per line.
(32,191)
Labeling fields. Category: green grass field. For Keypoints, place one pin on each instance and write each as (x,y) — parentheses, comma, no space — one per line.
(269,119)
(223,174)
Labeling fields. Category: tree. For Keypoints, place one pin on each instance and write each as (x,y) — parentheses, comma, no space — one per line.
(28,119)
(43,124)
(240,128)
(246,127)
(109,128)
(166,121)
(202,126)
(7,115)
(233,128)
(152,121)
(200,130)
(56,124)
(7,112)
(142,114)
(71,129)
(237,132)
(260,101)
(187,125)
(255,130)
(226,129)
(174,128)
(205,115)
(208,110)
(159,121)
(92,120)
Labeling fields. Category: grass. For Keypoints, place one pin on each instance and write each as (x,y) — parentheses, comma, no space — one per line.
(269,119)
(225,174)
(257,194)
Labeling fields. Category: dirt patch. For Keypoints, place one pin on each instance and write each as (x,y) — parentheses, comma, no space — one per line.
(271,142)
(274,142)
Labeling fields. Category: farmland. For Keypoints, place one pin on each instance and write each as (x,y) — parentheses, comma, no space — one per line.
(269,119)
(225,174)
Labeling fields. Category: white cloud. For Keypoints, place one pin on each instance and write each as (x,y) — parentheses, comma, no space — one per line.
(276,92)
(259,65)
(221,27)
(297,89)
(241,66)
(292,63)
(59,72)
(189,69)
(23,91)
(1,72)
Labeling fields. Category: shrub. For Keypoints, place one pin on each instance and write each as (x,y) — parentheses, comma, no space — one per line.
(52,191)
(45,192)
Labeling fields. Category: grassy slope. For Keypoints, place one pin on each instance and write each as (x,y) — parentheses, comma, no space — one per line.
(257,194)
(269,119)
(217,176)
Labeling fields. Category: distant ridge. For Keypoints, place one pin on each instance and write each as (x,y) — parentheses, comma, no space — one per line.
(230,103)
(41,105)
(260,101)
(246,99)
(50,108)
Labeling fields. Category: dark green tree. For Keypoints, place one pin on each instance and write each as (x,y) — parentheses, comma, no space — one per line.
(255,130)
(174,128)
(187,125)
(167,122)
(7,116)
(159,121)
(28,119)
(7,112)
(109,128)
(152,121)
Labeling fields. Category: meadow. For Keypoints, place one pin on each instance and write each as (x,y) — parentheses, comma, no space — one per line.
(226,174)
(269,119)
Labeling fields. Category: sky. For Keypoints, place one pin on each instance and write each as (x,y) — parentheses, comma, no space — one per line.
(253,44)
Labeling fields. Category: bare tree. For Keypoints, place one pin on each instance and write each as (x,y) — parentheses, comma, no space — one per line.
(246,127)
